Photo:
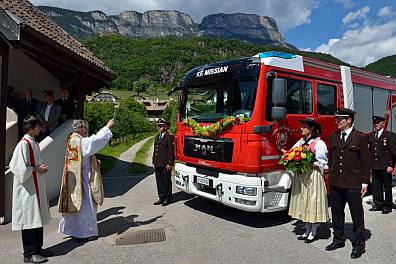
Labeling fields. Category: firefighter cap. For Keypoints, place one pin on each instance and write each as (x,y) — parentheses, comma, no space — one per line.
(162,121)
(312,123)
(377,119)
(345,112)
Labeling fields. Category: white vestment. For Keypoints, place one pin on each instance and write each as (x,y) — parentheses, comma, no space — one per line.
(27,211)
(84,223)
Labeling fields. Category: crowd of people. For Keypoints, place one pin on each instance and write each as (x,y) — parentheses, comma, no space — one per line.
(49,111)
(351,157)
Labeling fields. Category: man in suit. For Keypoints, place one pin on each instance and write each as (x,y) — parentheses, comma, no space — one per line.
(25,107)
(41,103)
(49,115)
(382,166)
(163,159)
(348,180)
(68,106)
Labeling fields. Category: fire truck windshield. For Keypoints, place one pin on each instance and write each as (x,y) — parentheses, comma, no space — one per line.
(210,98)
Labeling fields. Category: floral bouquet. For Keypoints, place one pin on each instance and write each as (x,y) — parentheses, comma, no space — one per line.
(297,159)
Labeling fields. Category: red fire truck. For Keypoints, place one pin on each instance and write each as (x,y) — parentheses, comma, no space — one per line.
(262,98)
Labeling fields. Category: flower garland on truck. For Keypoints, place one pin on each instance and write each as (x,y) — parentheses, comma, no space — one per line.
(214,129)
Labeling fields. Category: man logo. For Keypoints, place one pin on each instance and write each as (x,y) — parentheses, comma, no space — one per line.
(204,149)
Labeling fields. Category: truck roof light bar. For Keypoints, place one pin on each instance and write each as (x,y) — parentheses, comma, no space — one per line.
(278,54)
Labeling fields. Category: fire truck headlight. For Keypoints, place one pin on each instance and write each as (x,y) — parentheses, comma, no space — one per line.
(251,191)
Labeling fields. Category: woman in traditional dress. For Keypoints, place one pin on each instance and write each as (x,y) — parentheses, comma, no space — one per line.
(82,189)
(30,208)
(308,201)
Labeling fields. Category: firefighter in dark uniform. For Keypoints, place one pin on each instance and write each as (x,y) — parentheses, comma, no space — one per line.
(349,164)
(163,159)
(380,142)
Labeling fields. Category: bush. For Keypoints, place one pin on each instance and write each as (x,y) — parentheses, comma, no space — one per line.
(97,114)
(130,118)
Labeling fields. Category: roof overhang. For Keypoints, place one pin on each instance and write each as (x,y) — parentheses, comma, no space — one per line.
(57,59)
(10,26)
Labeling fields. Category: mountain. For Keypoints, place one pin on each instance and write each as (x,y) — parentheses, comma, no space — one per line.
(162,23)
(159,63)
(385,66)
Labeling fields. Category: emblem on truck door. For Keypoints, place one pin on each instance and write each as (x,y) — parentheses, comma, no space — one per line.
(281,135)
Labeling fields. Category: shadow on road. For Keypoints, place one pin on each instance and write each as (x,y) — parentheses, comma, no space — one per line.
(324,231)
(115,225)
(65,247)
(257,220)
(109,212)
(121,181)
(181,196)
(120,224)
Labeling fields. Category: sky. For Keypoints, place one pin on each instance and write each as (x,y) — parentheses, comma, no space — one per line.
(356,31)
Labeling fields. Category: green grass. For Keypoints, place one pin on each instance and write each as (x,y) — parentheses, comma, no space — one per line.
(139,162)
(110,154)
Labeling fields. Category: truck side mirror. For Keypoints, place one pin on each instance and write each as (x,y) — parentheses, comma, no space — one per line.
(278,112)
(279,88)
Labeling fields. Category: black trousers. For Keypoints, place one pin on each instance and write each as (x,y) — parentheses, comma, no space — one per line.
(338,198)
(382,181)
(32,240)
(164,183)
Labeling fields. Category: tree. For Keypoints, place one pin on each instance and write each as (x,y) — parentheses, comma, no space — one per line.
(141,86)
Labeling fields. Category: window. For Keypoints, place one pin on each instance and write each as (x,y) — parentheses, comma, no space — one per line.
(299,97)
(363,106)
(326,99)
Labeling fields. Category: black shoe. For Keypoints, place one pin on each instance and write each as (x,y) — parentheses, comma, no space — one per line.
(302,237)
(375,208)
(357,253)
(308,241)
(46,253)
(160,201)
(92,238)
(166,202)
(386,210)
(80,239)
(334,246)
(35,259)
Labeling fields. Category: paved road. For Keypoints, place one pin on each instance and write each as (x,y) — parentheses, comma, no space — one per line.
(200,231)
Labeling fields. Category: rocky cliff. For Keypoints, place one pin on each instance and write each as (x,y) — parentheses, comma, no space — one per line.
(158,23)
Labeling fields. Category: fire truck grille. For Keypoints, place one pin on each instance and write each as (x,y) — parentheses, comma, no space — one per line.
(219,149)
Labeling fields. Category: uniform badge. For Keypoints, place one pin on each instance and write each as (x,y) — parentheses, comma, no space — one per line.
(385,142)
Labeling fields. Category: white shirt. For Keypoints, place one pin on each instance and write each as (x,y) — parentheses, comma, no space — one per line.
(162,135)
(380,132)
(348,131)
(47,111)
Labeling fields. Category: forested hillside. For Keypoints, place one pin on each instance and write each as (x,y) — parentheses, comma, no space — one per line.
(385,66)
(154,65)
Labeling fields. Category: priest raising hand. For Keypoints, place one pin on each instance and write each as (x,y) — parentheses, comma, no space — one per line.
(79,197)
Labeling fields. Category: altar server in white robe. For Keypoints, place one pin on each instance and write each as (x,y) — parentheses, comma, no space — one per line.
(82,187)
(30,207)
